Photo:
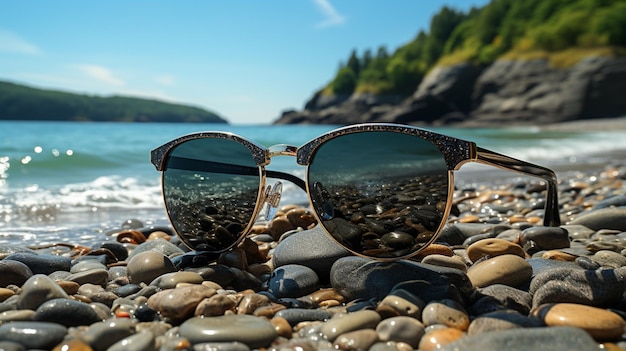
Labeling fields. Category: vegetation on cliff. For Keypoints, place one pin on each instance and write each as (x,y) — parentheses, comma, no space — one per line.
(19,102)
(562,30)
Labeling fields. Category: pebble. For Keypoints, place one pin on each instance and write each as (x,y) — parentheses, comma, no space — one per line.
(501,320)
(436,339)
(505,269)
(356,340)
(33,335)
(310,248)
(343,323)
(14,273)
(492,247)
(523,339)
(605,218)
(293,280)
(179,303)
(66,312)
(37,290)
(446,312)
(102,335)
(146,266)
(446,261)
(601,324)
(41,263)
(587,287)
(252,331)
(544,238)
(401,329)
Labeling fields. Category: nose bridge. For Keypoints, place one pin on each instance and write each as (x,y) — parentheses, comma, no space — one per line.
(282,150)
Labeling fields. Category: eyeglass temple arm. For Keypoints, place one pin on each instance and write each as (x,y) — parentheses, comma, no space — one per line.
(551,217)
(189,164)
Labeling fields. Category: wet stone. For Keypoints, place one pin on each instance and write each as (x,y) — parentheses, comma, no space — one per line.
(33,335)
(147,266)
(37,290)
(69,313)
(101,335)
(142,341)
(544,238)
(356,340)
(42,263)
(13,273)
(252,331)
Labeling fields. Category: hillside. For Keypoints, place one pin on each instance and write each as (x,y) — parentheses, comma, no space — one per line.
(450,71)
(19,102)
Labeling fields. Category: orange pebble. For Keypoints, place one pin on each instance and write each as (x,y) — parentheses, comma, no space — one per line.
(439,337)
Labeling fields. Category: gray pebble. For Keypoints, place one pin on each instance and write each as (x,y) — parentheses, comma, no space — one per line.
(501,320)
(220,346)
(509,297)
(292,280)
(606,218)
(297,315)
(147,266)
(101,335)
(253,331)
(67,312)
(311,248)
(37,290)
(159,245)
(13,273)
(142,341)
(587,287)
(33,335)
(523,339)
(356,277)
(42,263)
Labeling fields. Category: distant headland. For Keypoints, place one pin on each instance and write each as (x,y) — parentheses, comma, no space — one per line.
(21,102)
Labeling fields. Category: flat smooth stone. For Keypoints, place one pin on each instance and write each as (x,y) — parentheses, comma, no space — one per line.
(348,322)
(33,335)
(253,331)
(509,270)
(601,324)
(524,339)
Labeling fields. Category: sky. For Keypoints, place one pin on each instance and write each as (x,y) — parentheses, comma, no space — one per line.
(246,60)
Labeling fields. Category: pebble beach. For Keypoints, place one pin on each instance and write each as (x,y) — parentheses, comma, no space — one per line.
(495,279)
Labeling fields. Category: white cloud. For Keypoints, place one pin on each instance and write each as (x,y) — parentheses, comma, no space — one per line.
(10,42)
(332,17)
(101,73)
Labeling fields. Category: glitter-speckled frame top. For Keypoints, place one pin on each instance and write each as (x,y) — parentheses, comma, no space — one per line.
(456,152)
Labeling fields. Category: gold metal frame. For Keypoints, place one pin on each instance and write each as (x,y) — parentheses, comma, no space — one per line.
(456,153)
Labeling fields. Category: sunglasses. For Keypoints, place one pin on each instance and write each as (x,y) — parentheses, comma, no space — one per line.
(382,191)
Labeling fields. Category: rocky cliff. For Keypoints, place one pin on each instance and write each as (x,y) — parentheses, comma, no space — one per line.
(511,92)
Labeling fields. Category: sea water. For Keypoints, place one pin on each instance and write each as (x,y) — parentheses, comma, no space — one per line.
(74,181)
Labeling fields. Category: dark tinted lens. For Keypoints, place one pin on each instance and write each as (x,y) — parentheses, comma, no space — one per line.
(380,194)
(210,187)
